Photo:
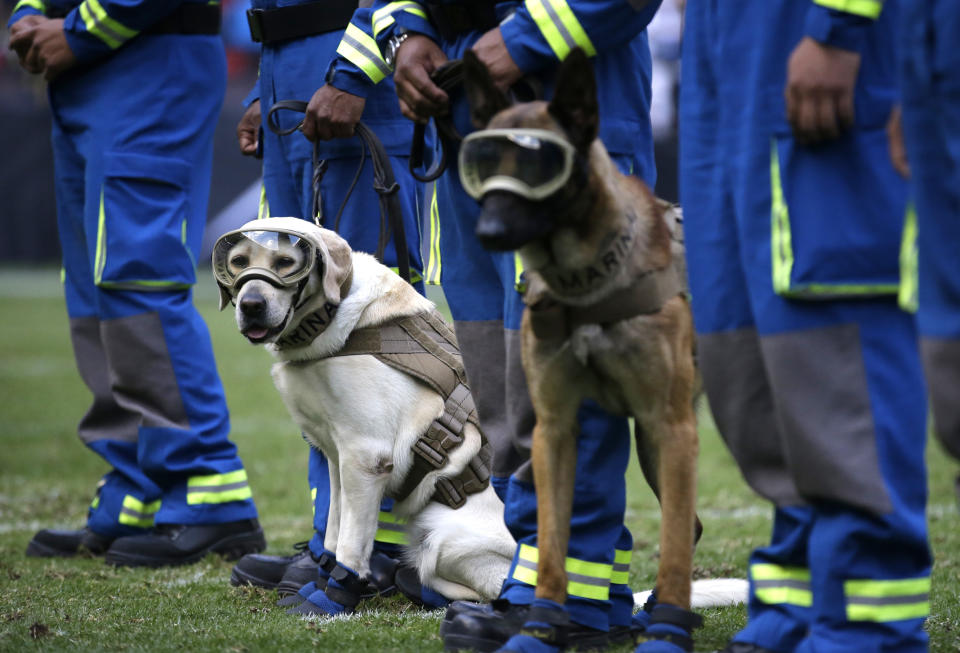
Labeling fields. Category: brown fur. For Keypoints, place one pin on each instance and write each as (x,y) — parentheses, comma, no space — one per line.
(640,366)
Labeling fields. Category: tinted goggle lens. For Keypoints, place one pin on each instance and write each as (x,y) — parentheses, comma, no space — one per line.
(530,164)
(283,257)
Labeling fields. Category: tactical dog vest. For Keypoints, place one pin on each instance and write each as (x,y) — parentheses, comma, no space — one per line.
(425,347)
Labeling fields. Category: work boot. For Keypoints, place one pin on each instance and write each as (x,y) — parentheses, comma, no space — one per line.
(263,570)
(488,628)
(180,544)
(457,608)
(308,569)
(408,582)
(50,543)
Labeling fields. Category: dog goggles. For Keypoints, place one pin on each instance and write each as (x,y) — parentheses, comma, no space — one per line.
(280,256)
(532,163)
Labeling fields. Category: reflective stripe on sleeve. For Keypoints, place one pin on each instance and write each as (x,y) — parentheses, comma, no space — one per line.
(559,26)
(621,567)
(361,50)
(383,17)
(33,4)
(391,529)
(101,25)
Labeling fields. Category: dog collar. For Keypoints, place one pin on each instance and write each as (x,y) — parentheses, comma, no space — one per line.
(577,282)
(306,325)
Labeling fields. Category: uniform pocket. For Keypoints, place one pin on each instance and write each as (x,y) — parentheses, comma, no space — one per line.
(142,224)
(836,217)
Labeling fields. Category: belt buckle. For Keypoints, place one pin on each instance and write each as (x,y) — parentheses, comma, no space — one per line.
(254,22)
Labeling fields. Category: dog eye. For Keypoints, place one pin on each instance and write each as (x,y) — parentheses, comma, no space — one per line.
(285,262)
(239,261)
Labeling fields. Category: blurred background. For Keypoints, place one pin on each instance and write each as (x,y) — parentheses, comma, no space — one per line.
(28,210)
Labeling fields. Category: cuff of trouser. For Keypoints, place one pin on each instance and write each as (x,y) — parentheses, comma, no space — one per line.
(316,544)
(838,29)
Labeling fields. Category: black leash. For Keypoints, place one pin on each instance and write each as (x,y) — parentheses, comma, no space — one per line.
(448,77)
(384,182)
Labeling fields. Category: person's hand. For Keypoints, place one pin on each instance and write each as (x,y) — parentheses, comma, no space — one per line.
(419,97)
(21,38)
(819,93)
(898,150)
(248,129)
(49,51)
(332,113)
(492,52)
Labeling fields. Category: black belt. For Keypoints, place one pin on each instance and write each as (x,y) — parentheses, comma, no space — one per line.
(384,183)
(454,19)
(296,21)
(188,18)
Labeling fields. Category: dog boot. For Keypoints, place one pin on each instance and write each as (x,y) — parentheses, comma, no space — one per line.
(263,570)
(670,630)
(309,569)
(544,631)
(180,544)
(486,629)
(302,594)
(50,543)
(641,620)
(342,594)
(408,582)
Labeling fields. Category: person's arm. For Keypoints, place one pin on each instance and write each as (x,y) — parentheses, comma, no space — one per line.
(822,70)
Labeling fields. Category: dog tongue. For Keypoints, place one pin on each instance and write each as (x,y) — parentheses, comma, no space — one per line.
(256,333)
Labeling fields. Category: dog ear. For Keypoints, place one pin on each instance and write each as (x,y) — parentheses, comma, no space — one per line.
(337,264)
(485,99)
(574,102)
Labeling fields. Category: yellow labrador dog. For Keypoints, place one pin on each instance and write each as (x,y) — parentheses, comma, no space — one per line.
(605,319)
(372,375)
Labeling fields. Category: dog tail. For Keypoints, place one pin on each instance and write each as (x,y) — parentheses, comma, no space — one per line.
(712,593)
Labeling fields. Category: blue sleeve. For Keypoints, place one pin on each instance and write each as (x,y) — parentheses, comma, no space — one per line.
(841,23)
(358,65)
(95,28)
(27,8)
(542,32)
(411,16)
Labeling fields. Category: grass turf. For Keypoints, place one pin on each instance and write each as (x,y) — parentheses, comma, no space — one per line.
(47,479)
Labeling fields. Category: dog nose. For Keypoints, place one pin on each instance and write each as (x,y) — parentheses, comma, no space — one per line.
(253,304)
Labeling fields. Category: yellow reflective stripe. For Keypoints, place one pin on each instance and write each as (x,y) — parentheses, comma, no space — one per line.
(63,275)
(35,4)
(773,584)
(782,251)
(101,25)
(361,50)
(95,502)
(391,529)
(621,567)
(264,209)
(559,26)
(313,501)
(137,513)
(382,18)
(767,571)
(433,258)
(887,600)
(519,284)
(218,488)
(907,297)
(868,8)
(100,256)
(414,274)
(585,579)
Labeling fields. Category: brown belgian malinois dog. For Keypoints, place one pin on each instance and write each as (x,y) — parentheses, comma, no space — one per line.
(606,317)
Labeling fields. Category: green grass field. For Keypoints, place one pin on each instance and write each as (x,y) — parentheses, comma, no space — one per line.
(47,478)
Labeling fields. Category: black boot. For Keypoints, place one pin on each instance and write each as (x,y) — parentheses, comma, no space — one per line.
(50,543)
(179,544)
(263,570)
(308,569)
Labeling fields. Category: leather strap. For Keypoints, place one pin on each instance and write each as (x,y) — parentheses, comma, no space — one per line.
(448,77)
(384,183)
(280,24)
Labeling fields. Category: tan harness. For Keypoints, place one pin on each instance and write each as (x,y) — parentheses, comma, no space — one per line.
(425,347)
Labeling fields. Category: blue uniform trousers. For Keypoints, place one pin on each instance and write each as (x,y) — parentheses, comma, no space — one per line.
(132,141)
(294,70)
(812,372)
(481,288)
(930,82)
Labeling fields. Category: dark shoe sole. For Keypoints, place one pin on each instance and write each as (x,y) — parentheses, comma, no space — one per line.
(232,547)
(466,643)
(41,550)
